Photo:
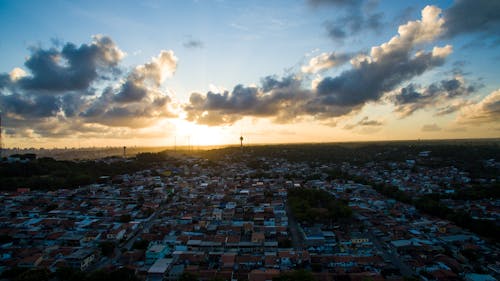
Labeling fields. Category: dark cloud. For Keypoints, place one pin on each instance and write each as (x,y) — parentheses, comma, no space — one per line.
(356,17)
(452,107)
(72,104)
(72,68)
(131,92)
(388,65)
(364,123)
(27,108)
(370,78)
(62,91)
(431,128)
(408,99)
(353,23)
(4,80)
(470,16)
(270,83)
(278,98)
(192,44)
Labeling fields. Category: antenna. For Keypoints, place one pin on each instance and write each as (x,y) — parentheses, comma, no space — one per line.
(241,138)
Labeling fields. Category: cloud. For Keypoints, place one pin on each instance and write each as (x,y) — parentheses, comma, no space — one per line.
(358,15)
(17,73)
(485,111)
(72,88)
(72,67)
(147,77)
(334,2)
(431,128)
(370,77)
(353,23)
(325,61)
(454,106)
(471,16)
(193,44)
(276,98)
(388,64)
(410,99)
(139,101)
(365,122)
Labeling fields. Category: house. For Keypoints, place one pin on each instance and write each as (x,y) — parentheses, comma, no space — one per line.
(81,259)
(159,269)
(263,275)
(155,252)
(31,261)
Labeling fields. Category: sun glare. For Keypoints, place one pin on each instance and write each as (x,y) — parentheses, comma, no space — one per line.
(190,134)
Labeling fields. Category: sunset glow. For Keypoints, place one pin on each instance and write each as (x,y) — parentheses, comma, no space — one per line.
(188,73)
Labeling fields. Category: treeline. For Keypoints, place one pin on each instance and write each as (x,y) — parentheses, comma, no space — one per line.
(466,155)
(48,173)
(313,206)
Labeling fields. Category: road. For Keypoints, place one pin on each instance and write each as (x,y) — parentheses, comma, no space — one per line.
(297,241)
(390,255)
(145,228)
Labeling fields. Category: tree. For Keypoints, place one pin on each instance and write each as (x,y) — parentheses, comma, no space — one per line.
(188,276)
(69,274)
(107,248)
(125,218)
(296,275)
(140,244)
(34,275)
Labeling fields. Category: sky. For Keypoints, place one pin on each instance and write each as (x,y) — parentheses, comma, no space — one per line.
(204,72)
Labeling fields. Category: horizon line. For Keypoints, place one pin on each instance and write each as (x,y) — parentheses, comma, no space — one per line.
(184,146)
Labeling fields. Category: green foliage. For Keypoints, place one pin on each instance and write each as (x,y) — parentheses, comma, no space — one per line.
(296,275)
(125,218)
(140,244)
(34,275)
(48,173)
(310,205)
(188,276)
(285,243)
(5,238)
(69,274)
(12,273)
(107,248)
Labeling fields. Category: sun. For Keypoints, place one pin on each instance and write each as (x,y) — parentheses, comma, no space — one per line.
(188,133)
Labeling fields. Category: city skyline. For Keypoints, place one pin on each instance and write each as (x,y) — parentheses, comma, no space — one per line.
(160,73)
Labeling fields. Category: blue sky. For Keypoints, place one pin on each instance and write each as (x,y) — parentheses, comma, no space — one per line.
(217,45)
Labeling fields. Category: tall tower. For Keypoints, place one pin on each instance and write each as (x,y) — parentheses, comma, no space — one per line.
(124,152)
(241,141)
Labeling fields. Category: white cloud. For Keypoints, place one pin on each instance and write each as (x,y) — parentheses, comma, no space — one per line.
(324,61)
(17,73)
(485,111)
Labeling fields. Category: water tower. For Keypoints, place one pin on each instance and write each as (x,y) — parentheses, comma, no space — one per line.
(241,141)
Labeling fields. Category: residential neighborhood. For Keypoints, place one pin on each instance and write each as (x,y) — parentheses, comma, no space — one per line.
(227,221)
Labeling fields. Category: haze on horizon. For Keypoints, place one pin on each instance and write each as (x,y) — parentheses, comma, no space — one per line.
(202,72)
